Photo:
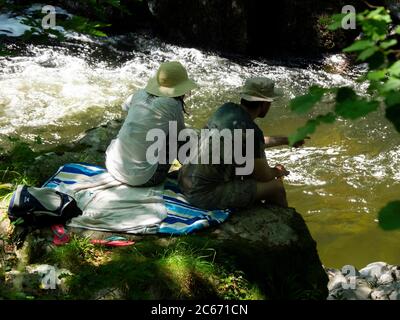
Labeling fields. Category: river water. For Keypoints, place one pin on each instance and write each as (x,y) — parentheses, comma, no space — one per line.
(338,181)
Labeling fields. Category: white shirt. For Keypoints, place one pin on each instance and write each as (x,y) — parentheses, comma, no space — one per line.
(126,155)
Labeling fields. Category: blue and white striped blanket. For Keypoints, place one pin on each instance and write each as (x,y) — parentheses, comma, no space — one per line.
(182,218)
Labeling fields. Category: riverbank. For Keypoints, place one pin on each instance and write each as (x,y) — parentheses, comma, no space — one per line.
(181,268)
(259,253)
(189,260)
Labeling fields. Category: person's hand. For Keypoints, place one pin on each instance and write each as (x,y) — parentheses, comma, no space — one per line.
(300,143)
(281,171)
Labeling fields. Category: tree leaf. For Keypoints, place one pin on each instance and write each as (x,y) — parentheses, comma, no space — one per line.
(392,113)
(304,103)
(388,44)
(379,14)
(367,53)
(376,60)
(397,30)
(326,118)
(355,108)
(377,75)
(359,45)
(392,98)
(345,93)
(391,85)
(394,69)
(389,216)
(375,29)
(303,132)
(336,21)
(310,127)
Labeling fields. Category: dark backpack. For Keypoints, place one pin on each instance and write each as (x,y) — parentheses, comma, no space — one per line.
(41,207)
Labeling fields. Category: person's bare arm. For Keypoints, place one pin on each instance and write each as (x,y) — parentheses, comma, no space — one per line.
(263,172)
(275,141)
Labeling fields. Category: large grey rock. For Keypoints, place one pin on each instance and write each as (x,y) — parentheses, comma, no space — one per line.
(374,270)
(336,282)
(109,294)
(362,291)
(380,294)
(395,271)
(385,279)
(395,295)
(273,246)
(339,289)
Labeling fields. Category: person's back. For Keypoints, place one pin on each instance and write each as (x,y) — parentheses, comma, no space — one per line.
(203,183)
(154,108)
(224,185)
(126,155)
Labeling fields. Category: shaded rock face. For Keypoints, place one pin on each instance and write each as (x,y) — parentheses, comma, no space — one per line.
(295,27)
(216,24)
(134,15)
(257,27)
(273,247)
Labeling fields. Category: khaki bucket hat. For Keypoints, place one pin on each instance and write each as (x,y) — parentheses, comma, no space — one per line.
(260,89)
(171,80)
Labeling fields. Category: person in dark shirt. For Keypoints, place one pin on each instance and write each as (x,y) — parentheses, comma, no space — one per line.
(219,184)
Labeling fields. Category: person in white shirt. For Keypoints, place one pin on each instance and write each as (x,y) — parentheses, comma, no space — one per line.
(154,107)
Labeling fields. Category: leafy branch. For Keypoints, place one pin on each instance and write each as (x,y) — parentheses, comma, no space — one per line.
(377,48)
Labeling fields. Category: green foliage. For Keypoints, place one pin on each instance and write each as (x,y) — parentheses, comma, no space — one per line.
(359,45)
(375,48)
(310,127)
(89,26)
(389,216)
(392,101)
(101,6)
(13,167)
(335,22)
(349,106)
(305,103)
(76,23)
(4,51)
(84,25)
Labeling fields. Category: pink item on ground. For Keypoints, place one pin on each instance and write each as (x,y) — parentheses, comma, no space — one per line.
(113,243)
(60,235)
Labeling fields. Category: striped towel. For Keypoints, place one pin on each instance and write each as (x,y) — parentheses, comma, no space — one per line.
(182,218)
